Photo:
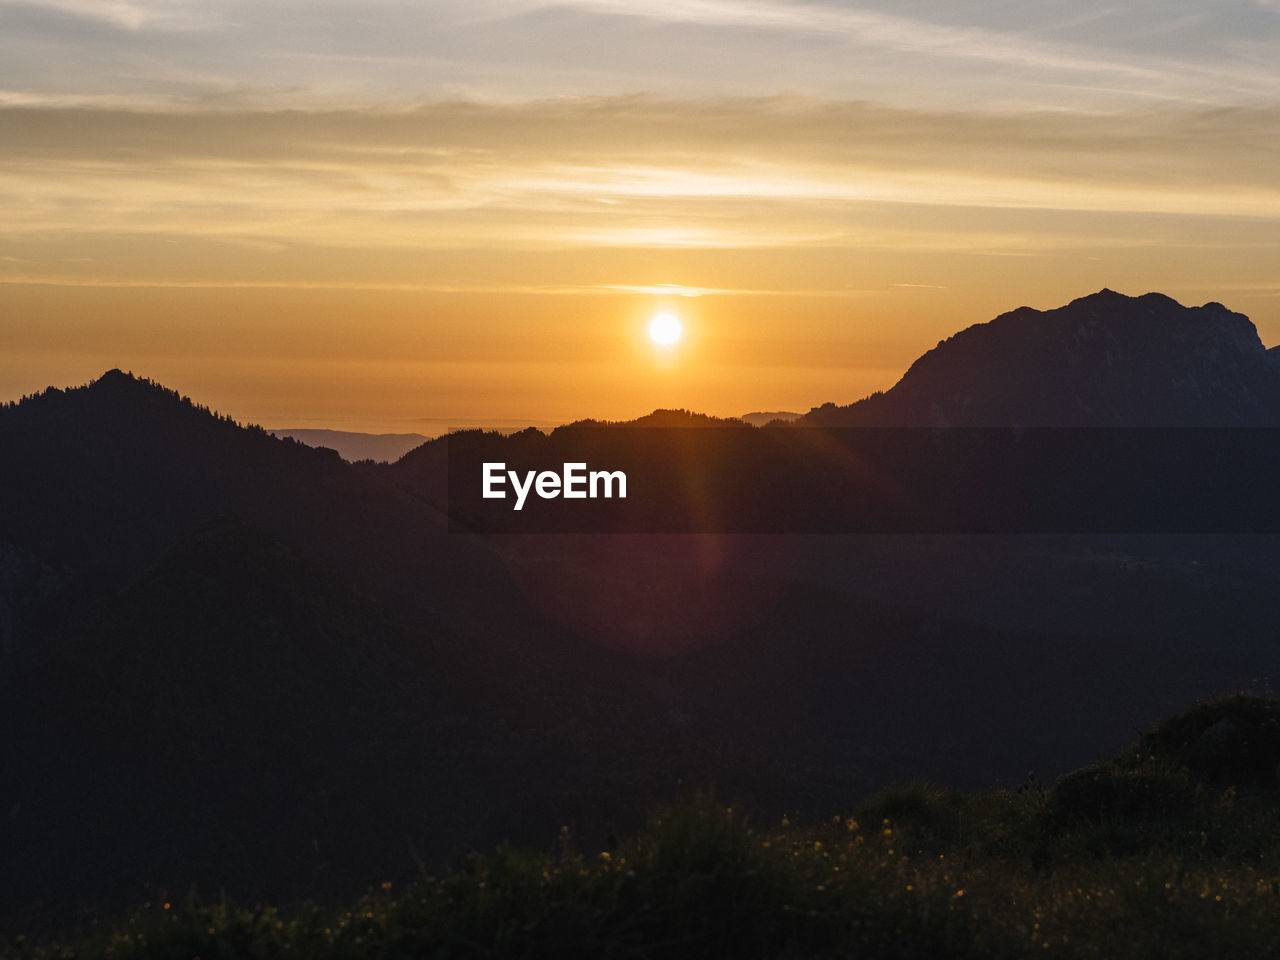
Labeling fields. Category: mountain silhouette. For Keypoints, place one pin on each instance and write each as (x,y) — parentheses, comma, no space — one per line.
(106,478)
(352,446)
(230,659)
(661,419)
(234,697)
(758,418)
(1102,360)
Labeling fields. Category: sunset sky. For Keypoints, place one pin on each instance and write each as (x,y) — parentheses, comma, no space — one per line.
(368,214)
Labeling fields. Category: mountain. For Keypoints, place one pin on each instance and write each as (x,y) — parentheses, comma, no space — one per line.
(660,419)
(759,418)
(379,447)
(104,479)
(231,659)
(233,698)
(234,660)
(1102,360)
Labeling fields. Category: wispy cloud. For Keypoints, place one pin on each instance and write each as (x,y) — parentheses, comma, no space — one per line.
(125,14)
(864,26)
(361,197)
(1028,51)
(348,51)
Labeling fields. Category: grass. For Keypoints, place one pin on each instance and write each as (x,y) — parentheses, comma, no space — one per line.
(1171,850)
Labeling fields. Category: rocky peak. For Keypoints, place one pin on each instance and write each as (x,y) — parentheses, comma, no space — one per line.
(1102,360)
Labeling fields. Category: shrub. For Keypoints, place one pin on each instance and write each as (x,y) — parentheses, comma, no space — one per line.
(1227,741)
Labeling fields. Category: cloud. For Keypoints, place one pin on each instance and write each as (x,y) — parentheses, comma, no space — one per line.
(381,197)
(611,148)
(118,13)
(1093,64)
(331,52)
(864,26)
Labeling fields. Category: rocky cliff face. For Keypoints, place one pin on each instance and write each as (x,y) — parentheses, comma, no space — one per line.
(1103,360)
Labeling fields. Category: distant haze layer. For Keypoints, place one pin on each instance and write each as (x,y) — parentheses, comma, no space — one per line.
(390,447)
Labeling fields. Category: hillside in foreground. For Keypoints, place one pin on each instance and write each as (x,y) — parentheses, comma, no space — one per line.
(1171,849)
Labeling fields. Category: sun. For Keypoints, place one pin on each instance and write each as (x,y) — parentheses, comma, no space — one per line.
(665,329)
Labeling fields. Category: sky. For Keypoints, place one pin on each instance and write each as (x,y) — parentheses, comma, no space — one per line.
(371,214)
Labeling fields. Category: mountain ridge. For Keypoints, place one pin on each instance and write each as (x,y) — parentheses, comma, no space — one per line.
(187,565)
(1105,359)
(354,446)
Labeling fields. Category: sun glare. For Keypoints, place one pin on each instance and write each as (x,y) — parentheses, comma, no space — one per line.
(665,329)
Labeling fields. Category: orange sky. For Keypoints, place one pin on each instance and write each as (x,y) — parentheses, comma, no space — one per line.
(306,256)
